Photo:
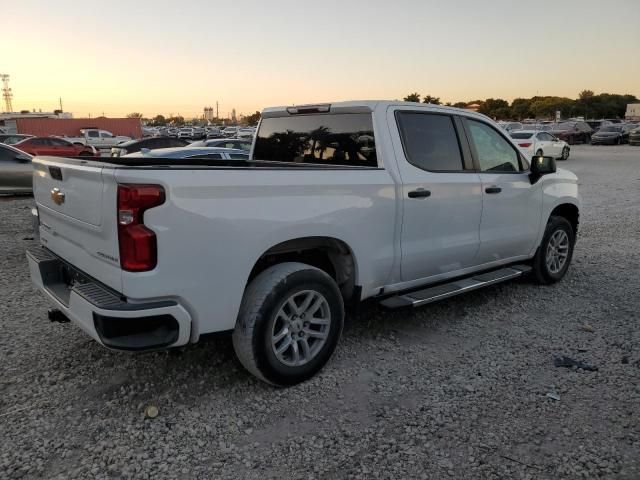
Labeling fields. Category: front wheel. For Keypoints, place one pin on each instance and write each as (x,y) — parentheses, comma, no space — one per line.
(565,153)
(555,251)
(539,153)
(289,323)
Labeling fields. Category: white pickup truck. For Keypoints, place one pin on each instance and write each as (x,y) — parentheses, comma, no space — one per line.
(399,202)
(97,138)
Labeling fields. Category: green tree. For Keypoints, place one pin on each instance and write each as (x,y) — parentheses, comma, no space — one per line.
(495,108)
(432,100)
(158,120)
(413,97)
(176,120)
(546,107)
(521,108)
(134,115)
(253,119)
(460,104)
(585,94)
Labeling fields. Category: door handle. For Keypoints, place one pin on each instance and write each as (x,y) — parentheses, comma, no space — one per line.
(493,189)
(420,193)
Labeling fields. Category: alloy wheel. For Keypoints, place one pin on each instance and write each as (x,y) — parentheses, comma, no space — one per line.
(557,251)
(301,328)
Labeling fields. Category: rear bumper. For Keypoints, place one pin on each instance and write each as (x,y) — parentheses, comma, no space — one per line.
(110,319)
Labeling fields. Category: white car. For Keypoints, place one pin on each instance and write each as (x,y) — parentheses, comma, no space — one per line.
(536,142)
(230,131)
(186,133)
(397,202)
(211,153)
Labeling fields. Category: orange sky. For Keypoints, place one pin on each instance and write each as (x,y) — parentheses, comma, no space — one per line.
(177,57)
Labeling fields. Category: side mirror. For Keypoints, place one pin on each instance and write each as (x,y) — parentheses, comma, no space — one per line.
(541,166)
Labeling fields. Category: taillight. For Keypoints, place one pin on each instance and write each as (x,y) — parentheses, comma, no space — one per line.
(525,145)
(138,246)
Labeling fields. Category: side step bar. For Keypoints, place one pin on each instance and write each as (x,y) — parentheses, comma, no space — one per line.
(456,287)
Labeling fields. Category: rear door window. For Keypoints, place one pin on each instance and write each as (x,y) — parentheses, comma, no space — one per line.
(344,139)
(430,141)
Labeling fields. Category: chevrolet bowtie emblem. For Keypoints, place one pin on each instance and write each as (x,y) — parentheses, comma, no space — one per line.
(57,196)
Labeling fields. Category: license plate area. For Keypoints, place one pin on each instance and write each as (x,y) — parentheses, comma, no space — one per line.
(59,278)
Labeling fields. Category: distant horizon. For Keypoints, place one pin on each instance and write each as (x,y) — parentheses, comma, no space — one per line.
(157,60)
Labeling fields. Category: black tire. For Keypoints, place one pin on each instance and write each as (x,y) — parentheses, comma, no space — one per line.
(565,153)
(541,271)
(571,140)
(539,153)
(261,302)
(619,140)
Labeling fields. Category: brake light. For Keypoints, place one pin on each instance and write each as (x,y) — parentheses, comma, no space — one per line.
(525,145)
(138,245)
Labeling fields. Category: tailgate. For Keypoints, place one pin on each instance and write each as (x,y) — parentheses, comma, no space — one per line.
(77,207)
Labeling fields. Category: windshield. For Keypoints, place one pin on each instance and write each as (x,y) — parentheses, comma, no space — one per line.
(521,135)
(332,139)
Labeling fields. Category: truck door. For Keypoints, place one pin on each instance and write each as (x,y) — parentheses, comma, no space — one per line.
(441,194)
(511,205)
(106,139)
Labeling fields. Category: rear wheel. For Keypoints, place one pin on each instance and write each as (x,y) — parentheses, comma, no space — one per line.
(565,153)
(289,323)
(539,153)
(619,140)
(555,251)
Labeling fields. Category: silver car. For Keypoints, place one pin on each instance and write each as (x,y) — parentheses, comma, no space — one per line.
(15,170)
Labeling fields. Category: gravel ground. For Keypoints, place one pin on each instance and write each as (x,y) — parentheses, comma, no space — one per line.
(456,389)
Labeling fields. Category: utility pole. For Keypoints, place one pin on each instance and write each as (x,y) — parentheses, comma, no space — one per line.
(6,92)
(217,116)
(61,104)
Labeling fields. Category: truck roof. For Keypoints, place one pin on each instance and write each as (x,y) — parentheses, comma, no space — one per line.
(358,106)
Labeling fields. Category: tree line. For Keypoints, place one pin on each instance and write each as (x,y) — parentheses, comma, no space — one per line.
(587,105)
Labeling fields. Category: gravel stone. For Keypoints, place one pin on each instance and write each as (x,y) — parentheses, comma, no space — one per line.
(455,389)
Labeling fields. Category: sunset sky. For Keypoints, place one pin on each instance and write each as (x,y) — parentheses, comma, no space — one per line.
(176,57)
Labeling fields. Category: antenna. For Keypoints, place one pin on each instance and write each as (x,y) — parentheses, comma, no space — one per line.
(6,92)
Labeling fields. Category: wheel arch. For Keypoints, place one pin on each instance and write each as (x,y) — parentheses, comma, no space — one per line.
(569,211)
(329,254)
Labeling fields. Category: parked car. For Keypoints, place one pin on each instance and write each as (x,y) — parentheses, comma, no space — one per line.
(597,124)
(535,142)
(198,132)
(401,203)
(246,133)
(56,147)
(186,133)
(614,134)
(211,153)
(97,138)
(133,146)
(15,170)
(237,143)
(173,132)
(634,136)
(13,138)
(230,131)
(510,126)
(572,132)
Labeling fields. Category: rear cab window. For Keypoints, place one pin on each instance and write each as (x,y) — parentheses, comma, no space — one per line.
(339,139)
